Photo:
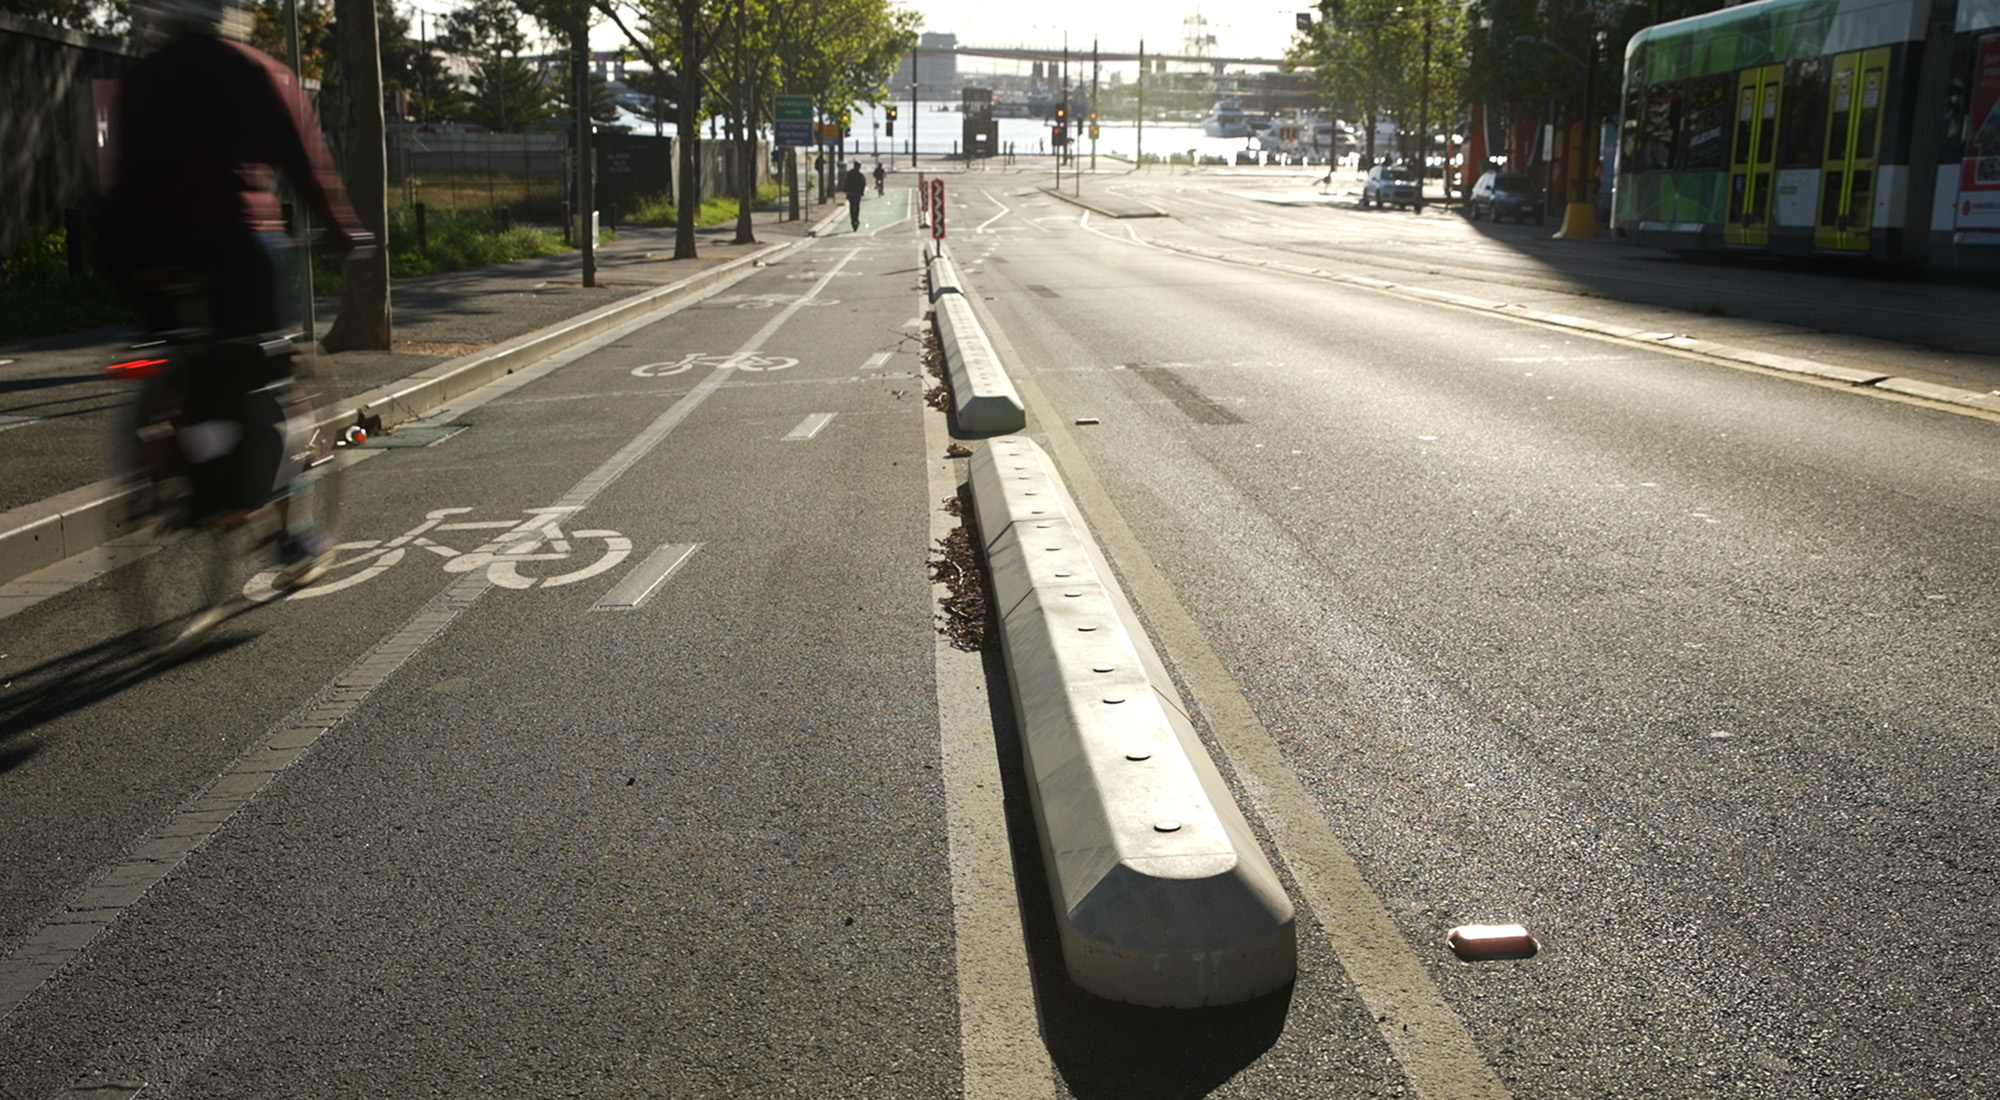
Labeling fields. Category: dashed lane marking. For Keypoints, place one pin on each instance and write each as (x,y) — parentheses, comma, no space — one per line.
(647,577)
(809,427)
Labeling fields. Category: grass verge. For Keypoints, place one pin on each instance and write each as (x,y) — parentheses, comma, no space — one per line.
(660,209)
(38,297)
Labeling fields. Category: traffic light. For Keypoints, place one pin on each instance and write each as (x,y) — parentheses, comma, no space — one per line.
(1093,125)
(846,121)
(892,122)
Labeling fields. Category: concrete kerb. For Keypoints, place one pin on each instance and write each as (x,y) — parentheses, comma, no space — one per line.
(38,535)
(1163,896)
(983,395)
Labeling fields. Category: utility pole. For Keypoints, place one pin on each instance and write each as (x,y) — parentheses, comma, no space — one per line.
(1139,150)
(299,208)
(1093,104)
(1424,118)
(586,199)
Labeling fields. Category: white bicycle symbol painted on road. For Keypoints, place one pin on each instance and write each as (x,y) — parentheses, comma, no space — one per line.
(771,301)
(742,360)
(539,538)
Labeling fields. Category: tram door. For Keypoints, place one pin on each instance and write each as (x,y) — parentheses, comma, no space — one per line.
(1860,83)
(1751,156)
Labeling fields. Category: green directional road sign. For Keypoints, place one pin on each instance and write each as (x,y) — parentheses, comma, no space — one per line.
(792,117)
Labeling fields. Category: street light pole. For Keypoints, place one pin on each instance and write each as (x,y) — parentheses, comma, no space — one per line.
(1139,147)
(1424,117)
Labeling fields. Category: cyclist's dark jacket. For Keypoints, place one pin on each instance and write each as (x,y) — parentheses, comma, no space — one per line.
(203,126)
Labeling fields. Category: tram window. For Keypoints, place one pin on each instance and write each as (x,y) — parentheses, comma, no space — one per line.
(1802,131)
(1629,149)
(1706,102)
(1871,111)
(1659,127)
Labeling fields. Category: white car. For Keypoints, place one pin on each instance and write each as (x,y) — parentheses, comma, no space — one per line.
(1387,186)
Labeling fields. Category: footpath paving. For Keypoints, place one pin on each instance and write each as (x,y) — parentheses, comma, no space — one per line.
(452,332)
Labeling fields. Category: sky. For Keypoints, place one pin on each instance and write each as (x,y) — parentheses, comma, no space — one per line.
(1259,28)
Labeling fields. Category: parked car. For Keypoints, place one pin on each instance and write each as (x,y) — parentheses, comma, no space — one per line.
(1500,195)
(1386,186)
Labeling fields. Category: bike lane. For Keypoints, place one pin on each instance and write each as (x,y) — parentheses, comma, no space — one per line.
(627,777)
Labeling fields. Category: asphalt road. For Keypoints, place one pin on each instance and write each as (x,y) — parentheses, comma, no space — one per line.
(1686,667)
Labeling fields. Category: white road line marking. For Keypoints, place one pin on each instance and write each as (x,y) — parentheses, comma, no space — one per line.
(809,427)
(879,359)
(67,933)
(646,577)
(7,422)
(1004,211)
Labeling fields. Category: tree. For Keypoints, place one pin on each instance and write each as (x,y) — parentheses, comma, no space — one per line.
(507,93)
(603,105)
(364,294)
(267,33)
(842,51)
(110,17)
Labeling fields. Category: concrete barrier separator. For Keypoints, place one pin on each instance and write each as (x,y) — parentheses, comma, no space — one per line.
(1163,896)
(985,398)
(944,278)
(38,535)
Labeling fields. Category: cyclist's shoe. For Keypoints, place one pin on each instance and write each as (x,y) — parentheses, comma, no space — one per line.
(303,558)
(193,636)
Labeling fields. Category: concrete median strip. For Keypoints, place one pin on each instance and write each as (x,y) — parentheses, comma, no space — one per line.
(1163,896)
(984,397)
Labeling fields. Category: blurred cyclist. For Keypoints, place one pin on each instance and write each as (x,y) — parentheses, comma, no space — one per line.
(191,232)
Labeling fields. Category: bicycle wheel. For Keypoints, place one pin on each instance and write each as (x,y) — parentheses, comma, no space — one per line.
(316,494)
(187,581)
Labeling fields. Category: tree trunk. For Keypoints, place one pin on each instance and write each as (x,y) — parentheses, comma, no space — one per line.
(363,323)
(746,179)
(688,140)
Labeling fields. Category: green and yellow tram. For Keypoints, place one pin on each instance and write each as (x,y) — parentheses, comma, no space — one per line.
(1863,128)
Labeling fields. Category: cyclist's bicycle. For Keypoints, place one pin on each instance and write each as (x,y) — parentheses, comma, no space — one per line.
(223,460)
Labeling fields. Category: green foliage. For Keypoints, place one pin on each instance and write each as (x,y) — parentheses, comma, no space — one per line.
(1370,57)
(508,96)
(109,17)
(660,209)
(603,106)
(38,296)
(457,239)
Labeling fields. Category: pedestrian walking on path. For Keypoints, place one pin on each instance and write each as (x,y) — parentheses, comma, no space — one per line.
(854,185)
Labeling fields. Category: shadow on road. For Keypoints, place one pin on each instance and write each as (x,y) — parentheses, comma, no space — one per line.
(1102,1049)
(36,696)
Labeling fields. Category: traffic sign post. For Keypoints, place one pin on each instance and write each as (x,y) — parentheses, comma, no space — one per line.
(792,120)
(937,209)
